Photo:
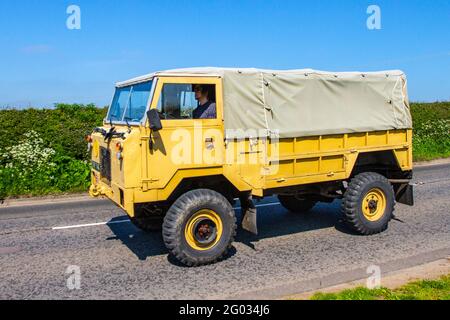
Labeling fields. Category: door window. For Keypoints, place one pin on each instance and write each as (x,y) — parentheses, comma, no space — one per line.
(183,101)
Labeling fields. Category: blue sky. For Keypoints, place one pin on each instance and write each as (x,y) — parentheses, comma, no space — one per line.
(42,62)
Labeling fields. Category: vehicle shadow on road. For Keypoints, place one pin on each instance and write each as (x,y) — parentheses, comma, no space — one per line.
(277,221)
(142,244)
(273,221)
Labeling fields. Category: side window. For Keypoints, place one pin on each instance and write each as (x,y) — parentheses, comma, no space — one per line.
(187,101)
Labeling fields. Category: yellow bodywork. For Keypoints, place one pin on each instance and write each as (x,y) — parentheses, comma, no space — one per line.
(142,175)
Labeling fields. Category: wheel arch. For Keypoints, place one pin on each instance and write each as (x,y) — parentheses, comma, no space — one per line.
(218,183)
(384,162)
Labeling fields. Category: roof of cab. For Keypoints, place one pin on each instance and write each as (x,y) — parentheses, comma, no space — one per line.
(219,72)
(199,72)
(195,72)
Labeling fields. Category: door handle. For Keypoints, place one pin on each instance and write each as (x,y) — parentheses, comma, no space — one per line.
(209,142)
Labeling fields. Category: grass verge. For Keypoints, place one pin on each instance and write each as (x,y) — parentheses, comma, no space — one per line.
(419,290)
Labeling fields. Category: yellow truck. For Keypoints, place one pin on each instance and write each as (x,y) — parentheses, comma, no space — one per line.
(178,147)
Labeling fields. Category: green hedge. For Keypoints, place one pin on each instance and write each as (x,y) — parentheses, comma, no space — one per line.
(62,128)
(423,112)
(27,137)
(431,122)
(43,151)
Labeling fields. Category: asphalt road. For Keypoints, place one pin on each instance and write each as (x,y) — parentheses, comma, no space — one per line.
(292,254)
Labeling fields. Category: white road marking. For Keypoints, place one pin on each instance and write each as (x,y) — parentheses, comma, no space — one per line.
(126,221)
(90,225)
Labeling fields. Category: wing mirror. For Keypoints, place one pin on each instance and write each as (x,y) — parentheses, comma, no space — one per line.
(154,120)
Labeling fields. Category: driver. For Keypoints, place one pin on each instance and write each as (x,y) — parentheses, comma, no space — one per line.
(206,109)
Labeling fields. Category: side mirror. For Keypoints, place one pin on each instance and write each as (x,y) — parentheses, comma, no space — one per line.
(154,120)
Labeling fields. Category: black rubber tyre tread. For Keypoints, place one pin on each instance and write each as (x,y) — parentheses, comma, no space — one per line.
(295,205)
(353,197)
(177,217)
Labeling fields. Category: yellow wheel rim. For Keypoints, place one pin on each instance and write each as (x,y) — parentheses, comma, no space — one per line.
(374,204)
(203,230)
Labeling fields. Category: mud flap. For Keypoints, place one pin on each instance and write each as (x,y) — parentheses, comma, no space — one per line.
(249,221)
(405,194)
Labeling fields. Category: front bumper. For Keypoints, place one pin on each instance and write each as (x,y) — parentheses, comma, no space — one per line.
(99,188)
(112,191)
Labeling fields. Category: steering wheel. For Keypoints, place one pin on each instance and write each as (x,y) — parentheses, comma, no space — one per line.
(170,116)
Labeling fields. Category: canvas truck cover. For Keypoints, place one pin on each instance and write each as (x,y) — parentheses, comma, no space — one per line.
(296,103)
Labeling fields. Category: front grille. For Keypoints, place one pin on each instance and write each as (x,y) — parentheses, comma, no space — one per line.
(105,164)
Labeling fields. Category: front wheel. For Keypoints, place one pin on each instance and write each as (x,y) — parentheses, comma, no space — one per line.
(199,227)
(368,203)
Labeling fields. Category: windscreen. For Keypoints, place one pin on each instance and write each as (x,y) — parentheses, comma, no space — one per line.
(130,103)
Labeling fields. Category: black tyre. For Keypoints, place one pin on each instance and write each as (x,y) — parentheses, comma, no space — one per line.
(149,217)
(296,205)
(368,203)
(199,227)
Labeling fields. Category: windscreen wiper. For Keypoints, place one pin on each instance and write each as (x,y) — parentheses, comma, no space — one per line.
(128,124)
(101,131)
(111,133)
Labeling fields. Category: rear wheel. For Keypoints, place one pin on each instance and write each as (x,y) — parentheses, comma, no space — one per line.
(296,205)
(199,227)
(368,203)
